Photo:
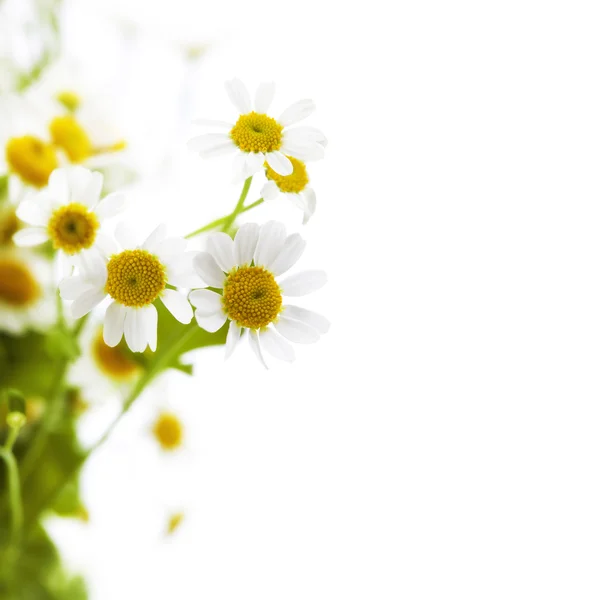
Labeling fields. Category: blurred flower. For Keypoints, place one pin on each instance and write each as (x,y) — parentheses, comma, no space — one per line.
(168,431)
(69,213)
(27,295)
(134,278)
(258,137)
(246,269)
(102,370)
(293,187)
(174,522)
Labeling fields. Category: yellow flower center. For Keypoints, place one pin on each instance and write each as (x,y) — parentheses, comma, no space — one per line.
(31,159)
(251,297)
(135,278)
(116,362)
(174,522)
(18,286)
(73,228)
(69,99)
(293,183)
(9,225)
(168,431)
(255,132)
(69,135)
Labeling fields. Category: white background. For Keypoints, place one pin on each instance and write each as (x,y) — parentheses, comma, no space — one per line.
(442,440)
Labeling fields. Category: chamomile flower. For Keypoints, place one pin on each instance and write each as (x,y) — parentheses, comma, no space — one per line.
(27,295)
(257,137)
(246,271)
(37,136)
(102,370)
(293,187)
(133,277)
(69,213)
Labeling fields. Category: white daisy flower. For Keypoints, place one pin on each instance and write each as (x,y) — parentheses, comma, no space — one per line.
(246,271)
(69,213)
(294,187)
(27,292)
(256,137)
(133,277)
(36,137)
(102,371)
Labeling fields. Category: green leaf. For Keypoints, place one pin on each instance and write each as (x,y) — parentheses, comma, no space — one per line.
(60,342)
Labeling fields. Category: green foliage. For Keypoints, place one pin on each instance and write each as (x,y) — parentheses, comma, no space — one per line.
(26,363)
(37,573)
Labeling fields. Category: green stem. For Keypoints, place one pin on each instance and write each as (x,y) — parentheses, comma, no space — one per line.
(225,222)
(162,361)
(217,222)
(79,326)
(14,490)
(238,207)
(54,407)
(11,438)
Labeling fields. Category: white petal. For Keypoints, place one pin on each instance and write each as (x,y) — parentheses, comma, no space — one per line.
(244,244)
(270,191)
(302,152)
(171,249)
(177,305)
(132,330)
(149,322)
(315,320)
(291,251)
(92,191)
(310,204)
(264,96)
(58,186)
(276,346)
(71,288)
(106,244)
(34,212)
(220,245)
(303,283)
(233,337)
(114,321)
(206,302)
(280,163)
(110,206)
(238,94)
(87,301)
(184,279)
(157,236)
(239,167)
(212,144)
(30,236)
(79,179)
(270,242)
(305,136)
(213,123)
(93,266)
(255,345)
(211,323)
(206,266)
(296,331)
(254,162)
(296,112)
(125,236)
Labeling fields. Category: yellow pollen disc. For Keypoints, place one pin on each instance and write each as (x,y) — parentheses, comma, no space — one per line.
(174,522)
(116,362)
(135,278)
(293,183)
(73,228)
(168,431)
(251,297)
(9,225)
(256,132)
(70,100)
(18,287)
(69,135)
(31,159)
